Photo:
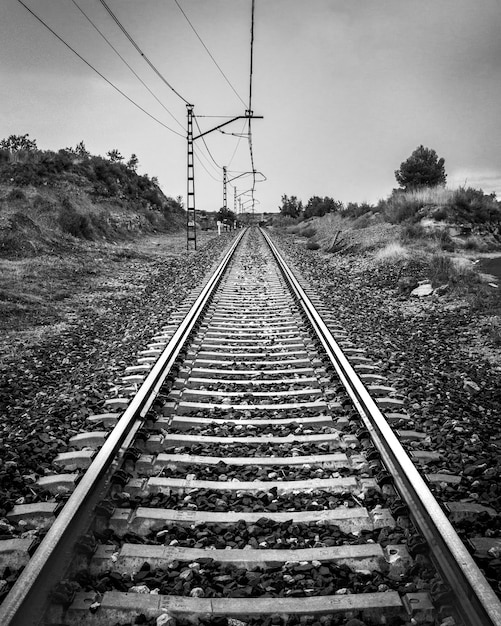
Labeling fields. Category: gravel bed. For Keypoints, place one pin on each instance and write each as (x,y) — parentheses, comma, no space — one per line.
(430,351)
(223,472)
(242,501)
(227,450)
(274,620)
(251,399)
(264,414)
(264,534)
(205,578)
(49,388)
(250,430)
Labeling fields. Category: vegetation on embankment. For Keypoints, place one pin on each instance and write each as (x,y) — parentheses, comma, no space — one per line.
(48,199)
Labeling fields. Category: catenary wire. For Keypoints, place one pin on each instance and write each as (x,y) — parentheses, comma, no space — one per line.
(238,143)
(205,143)
(125,62)
(250,103)
(209,53)
(97,71)
(129,37)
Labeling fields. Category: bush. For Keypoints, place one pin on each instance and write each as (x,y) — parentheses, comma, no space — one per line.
(16,194)
(444,240)
(353,209)
(410,232)
(362,222)
(313,245)
(308,232)
(442,269)
(392,253)
(73,223)
(400,207)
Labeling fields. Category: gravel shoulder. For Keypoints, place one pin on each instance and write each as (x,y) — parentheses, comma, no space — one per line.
(435,353)
(59,366)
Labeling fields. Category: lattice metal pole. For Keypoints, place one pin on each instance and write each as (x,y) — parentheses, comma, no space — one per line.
(191,230)
(225,199)
(235,200)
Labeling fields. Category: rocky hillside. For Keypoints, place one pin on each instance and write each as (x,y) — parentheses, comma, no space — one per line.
(47,199)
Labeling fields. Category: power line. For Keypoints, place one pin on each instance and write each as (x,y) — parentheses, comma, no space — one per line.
(124,61)
(205,144)
(250,102)
(124,31)
(97,71)
(209,53)
(238,143)
(218,180)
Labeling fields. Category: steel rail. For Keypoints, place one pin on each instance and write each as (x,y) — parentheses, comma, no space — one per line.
(477,604)
(28,598)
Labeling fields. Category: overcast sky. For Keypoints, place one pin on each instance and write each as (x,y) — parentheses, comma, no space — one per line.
(348,89)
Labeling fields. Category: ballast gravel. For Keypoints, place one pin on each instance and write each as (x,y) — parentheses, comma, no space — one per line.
(49,388)
(430,350)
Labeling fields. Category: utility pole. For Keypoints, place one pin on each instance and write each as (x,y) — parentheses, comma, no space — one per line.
(191,230)
(225,202)
(235,200)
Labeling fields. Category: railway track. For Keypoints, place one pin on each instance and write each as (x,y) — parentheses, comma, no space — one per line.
(245,475)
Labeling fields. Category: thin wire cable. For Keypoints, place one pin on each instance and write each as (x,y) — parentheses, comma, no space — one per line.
(205,143)
(97,71)
(206,159)
(125,62)
(250,103)
(218,180)
(209,53)
(238,143)
(124,31)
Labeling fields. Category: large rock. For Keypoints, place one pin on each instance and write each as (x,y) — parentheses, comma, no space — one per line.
(423,290)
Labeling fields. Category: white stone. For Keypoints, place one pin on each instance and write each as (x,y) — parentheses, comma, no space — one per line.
(423,290)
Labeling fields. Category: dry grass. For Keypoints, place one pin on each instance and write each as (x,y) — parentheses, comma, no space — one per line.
(392,252)
(429,195)
(42,290)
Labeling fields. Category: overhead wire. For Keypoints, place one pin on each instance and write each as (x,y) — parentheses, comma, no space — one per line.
(129,37)
(125,62)
(205,143)
(238,143)
(250,103)
(96,70)
(209,53)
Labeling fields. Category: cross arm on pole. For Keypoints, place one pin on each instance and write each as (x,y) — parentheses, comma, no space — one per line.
(239,117)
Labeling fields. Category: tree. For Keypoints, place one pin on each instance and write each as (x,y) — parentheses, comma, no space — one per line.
(291,207)
(114,156)
(422,169)
(15,143)
(81,150)
(316,206)
(225,214)
(133,162)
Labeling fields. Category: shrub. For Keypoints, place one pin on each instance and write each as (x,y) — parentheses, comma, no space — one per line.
(16,194)
(492,329)
(362,222)
(392,253)
(308,232)
(74,223)
(353,209)
(400,207)
(313,245)
(444,240)
(443,269)
(41,204)
(410,232)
